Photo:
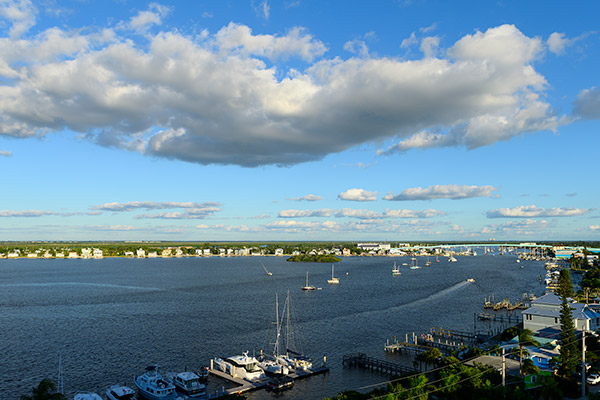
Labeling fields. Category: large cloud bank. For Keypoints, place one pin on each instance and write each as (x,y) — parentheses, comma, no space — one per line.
(223,98)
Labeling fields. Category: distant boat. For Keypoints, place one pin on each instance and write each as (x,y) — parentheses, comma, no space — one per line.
(471,280)
(428,263)
(414,264)
(452,259)
(306,287)
(333,279)
(395,270)
(266,270)
(437,258)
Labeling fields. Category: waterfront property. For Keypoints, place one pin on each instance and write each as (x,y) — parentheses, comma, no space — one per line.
(545,312)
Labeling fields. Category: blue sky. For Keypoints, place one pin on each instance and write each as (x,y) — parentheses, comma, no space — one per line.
(299,120)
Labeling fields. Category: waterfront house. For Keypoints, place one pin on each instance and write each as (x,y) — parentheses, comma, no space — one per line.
(141,253)
(97,253)
(545,312)
(278,252)
(86,253)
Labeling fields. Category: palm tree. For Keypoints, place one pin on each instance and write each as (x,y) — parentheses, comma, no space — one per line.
(44,391)
(525,338)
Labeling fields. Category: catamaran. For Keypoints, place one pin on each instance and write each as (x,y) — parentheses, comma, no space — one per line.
(395,270)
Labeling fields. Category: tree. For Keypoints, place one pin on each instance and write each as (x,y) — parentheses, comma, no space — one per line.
(568,344)
(529,368)
(525,338)
(44,391)
(550,390)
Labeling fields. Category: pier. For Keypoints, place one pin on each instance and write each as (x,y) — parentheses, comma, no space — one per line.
(361,360)
(243,386)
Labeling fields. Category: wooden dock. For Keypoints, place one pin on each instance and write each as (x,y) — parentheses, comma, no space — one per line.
(244,386)
(361,360)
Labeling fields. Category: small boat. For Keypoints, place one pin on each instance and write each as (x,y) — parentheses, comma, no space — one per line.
(333,279)
(306,287)
(471,280)
(118,392)
(243,366)
(153,386)
(280,383)
(428,263)
(452,259)
(395,270)
(437,258)
(269,273)
(188,384)
(414,264)
(87,396)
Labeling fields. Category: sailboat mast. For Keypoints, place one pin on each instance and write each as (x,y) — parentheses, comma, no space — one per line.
(278,330)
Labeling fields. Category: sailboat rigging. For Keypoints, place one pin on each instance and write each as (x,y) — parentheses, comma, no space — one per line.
(333,279)
(306,287)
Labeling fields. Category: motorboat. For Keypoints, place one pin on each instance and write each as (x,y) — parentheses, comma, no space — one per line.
(471,280)
(153,386)
(333,279)
(188,383)
(452,259)
(243,366)
(87,396)
(118,392)
(307,287)
(280,383)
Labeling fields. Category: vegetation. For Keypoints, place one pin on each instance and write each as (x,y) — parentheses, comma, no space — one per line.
(323,258)
(568,343)
(525,338)
(46,390)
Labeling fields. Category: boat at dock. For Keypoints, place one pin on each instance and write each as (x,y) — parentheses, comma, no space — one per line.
(153,386)
(188,384)
(271,364)
(280,383)
(333,279)
(119,392)
(244,366)
(307,287)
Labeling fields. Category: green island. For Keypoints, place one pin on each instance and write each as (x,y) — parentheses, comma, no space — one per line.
(321,258)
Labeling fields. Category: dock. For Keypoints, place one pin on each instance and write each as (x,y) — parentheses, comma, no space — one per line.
(361,360)
(243,386)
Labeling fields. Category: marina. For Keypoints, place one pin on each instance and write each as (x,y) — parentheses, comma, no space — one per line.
(217,306)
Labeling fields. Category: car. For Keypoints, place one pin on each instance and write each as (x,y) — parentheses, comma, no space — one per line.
(593,379)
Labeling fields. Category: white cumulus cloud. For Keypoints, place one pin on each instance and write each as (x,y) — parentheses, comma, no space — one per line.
(308,197)
(358,195)
(587,104)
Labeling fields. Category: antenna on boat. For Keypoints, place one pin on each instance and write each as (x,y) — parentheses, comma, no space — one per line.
(60,384)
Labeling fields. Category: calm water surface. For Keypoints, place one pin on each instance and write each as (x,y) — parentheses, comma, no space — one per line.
(111,318)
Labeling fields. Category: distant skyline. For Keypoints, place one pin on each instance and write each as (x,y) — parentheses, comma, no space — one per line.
(299,120)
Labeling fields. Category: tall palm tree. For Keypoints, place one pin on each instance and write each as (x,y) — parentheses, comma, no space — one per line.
(44,391)
(525,338)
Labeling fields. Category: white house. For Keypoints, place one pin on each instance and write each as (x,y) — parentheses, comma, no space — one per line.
(545,312)
(141,253)
(278,252)
(98,253)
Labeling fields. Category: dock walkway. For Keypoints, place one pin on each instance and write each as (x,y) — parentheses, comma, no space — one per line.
(361,360)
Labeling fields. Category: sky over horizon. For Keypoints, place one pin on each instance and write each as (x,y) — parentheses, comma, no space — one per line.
(299,120)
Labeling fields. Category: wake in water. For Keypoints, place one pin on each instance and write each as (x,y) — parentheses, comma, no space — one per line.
(434,296)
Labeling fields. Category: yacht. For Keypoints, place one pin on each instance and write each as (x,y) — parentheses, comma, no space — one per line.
(152,386)
(243,366)
(118,392)
(87,396)
(188,383)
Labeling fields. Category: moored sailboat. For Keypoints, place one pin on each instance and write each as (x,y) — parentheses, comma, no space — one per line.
(333,279)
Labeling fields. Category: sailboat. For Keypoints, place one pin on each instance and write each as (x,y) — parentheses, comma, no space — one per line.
(266,270)
(395,270)
(437,259)
(293,356)
(333,279)
(428,263)
(414,264)
(273,365)
(306,287)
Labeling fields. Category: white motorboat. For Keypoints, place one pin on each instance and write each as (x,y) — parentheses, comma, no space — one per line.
(118,392)
(307,287)
(188,383)
(333,279)
(243,366)
(452,259)
(269,273)
(87,396)
(471,280)
(153,386)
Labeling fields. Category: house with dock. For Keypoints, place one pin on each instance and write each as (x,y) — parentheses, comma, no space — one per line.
(545,312)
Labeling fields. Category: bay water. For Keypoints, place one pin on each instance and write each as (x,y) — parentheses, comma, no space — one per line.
(110,318)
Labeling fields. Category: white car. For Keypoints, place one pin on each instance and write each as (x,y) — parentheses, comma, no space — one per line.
(593,379)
